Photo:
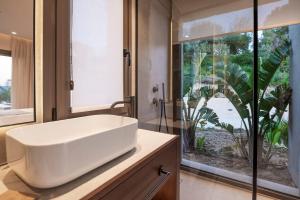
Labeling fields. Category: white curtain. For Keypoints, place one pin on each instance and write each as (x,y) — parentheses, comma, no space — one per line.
(22,73)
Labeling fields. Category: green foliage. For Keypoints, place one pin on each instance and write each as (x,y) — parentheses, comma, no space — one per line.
(238,43)
(269,40)
(194,55)
(196,114)
(200,143)
(188,78)
(278,135)
(269,66)
(230,58)
(4,94)
(270,98)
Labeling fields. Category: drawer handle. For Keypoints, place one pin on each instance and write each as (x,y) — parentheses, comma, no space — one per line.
(163,173)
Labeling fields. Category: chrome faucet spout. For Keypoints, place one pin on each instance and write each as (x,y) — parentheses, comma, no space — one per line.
(119,102)
(127,100)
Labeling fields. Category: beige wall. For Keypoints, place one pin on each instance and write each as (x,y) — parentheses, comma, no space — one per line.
(154,18)
(38,71)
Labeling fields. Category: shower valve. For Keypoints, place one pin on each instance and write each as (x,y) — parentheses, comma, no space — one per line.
(155,89)
(155,102)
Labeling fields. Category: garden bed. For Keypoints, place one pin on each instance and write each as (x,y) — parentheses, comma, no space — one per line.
(219,151)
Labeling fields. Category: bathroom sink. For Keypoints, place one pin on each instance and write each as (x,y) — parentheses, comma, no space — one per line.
(51,154)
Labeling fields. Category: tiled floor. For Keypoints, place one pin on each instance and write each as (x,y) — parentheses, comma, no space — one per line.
(193,187)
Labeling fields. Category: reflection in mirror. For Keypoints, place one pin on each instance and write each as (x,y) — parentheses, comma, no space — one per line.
(16,61)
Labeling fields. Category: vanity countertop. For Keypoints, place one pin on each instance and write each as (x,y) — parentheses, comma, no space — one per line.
(148,142)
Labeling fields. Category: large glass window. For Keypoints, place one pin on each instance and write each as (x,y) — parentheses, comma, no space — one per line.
(216,104)
(211,101)
(216,95)
(278,152)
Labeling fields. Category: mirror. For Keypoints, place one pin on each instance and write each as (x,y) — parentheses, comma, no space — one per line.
(16,62)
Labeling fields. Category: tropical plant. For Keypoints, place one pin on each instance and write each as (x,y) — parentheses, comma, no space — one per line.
(195,113)
(278,135)
(195,53)
(195,110)
(200,143)
(194,101)
(272,103)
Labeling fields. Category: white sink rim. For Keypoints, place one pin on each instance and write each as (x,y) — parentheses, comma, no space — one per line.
(51,164)
(16,131)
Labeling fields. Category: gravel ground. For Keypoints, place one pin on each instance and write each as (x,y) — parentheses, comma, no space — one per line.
(220,151)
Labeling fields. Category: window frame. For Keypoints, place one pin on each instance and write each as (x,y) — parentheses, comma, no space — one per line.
(61,106)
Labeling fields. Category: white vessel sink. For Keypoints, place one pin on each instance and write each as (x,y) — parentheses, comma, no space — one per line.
(51,154)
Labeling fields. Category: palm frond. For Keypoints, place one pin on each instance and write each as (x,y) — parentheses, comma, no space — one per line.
(269,67)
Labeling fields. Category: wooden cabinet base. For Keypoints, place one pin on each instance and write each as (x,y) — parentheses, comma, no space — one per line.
(156,177)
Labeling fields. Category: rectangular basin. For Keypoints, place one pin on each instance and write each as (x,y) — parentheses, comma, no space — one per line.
(51,154)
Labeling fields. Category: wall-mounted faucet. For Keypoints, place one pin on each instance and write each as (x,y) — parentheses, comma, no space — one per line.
(127,100)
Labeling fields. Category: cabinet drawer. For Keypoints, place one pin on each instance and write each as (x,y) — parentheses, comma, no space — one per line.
(147,180)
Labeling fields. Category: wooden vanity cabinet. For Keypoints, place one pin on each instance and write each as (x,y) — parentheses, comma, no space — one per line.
(155,177)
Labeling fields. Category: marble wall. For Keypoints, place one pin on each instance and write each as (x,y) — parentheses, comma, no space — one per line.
(154,20)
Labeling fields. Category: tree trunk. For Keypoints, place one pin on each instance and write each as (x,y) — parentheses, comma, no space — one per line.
(189,140)
(260,151)
(250,146)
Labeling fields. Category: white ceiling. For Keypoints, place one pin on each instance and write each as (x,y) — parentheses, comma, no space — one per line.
(17,16)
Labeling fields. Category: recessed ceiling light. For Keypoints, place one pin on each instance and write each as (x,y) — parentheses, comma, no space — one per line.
(186,36)
(14,33)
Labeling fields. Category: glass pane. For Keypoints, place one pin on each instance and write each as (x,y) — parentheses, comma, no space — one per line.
(16,62)
(206,76)
(97,54)
(278,141)
(216,96)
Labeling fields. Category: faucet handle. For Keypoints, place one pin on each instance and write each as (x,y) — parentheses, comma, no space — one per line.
(155,89)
